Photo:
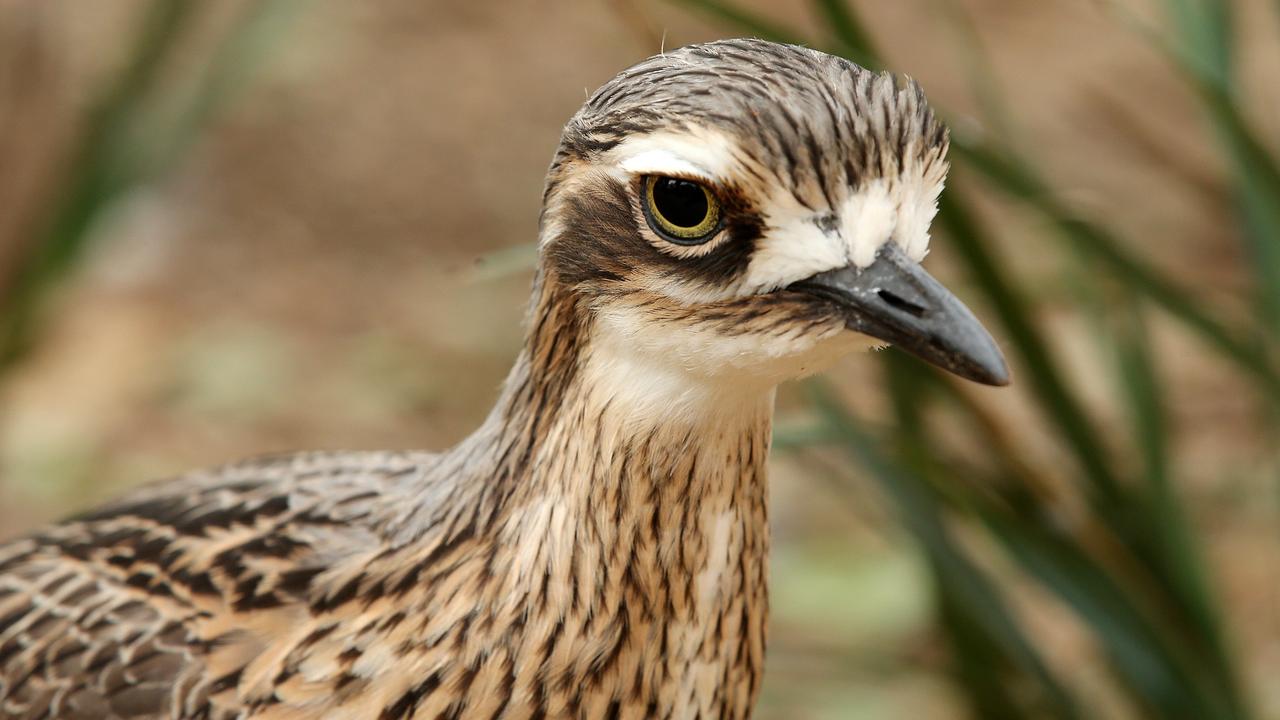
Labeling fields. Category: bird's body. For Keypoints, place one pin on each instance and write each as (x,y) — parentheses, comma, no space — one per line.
(475,582)
(598,547)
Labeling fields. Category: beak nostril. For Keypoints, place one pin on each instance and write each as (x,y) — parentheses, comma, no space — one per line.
(893,299)
(898,302)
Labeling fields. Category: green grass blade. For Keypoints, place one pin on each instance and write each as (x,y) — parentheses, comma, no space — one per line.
(1168,653)
(979,70)
(1163,676)
(850,36)
(1202,48)
(125,143)
(504,262)
(1117,506)
(242,49)
(1182,568)
(1060,406)
(1018,181)
(1167,665)
(1257,179)
(979,666)
(96,177)
(744,20)
(991,664)
(1205,29)
(919,510)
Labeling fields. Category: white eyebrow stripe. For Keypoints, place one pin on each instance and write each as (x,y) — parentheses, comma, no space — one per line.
(699,153)
(663,162)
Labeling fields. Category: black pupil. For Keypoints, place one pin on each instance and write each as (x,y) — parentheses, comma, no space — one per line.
(681,202)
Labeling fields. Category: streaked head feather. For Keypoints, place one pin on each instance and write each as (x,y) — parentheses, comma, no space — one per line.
(817,161)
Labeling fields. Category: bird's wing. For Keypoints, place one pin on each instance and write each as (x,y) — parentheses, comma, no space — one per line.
(153,606)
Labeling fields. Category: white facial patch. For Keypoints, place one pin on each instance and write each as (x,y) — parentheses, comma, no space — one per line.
(867,221)
(702,153)
(918,206)
(793,248)
(663,162)
(800,243)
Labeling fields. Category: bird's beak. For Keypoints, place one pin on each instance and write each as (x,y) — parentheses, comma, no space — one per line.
(895,300)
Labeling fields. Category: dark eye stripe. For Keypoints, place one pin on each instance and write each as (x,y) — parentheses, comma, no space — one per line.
(602,244)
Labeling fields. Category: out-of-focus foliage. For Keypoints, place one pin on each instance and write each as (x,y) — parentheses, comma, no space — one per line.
(132,134)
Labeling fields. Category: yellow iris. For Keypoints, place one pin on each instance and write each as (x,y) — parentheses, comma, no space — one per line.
(684,211)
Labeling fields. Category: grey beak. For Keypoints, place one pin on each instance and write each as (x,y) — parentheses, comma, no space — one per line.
(895,300)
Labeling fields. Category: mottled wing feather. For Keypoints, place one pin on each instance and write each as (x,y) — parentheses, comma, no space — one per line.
(78,642)
(122,612)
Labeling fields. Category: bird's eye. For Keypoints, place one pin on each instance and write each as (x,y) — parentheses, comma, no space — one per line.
(682,211)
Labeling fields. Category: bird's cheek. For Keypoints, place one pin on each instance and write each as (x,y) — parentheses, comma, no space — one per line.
(784,358)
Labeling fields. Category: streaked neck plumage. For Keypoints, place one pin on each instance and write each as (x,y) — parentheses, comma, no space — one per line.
(634,498)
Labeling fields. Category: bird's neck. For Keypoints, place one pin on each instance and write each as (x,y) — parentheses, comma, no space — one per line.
(635,491)
(583,409)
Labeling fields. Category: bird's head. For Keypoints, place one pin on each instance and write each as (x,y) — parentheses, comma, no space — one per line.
(747,212)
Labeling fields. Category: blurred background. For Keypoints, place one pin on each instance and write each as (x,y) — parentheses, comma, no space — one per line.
(242,227)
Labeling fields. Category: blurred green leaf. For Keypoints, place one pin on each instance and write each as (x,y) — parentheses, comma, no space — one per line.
(1257,178)
(980,665)
(745,20)
(243,48)
(1182,568)
(1058,402)
(1206,37)
(981,74)
(1202,48)
(97,175)
(1161,675)
(849,36)
(1018,181)
(970,593)
(505,262)
(125,143)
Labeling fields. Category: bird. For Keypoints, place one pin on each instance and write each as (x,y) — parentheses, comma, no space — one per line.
(717,219)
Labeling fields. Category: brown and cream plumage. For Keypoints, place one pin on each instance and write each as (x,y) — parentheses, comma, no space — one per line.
(717,219)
